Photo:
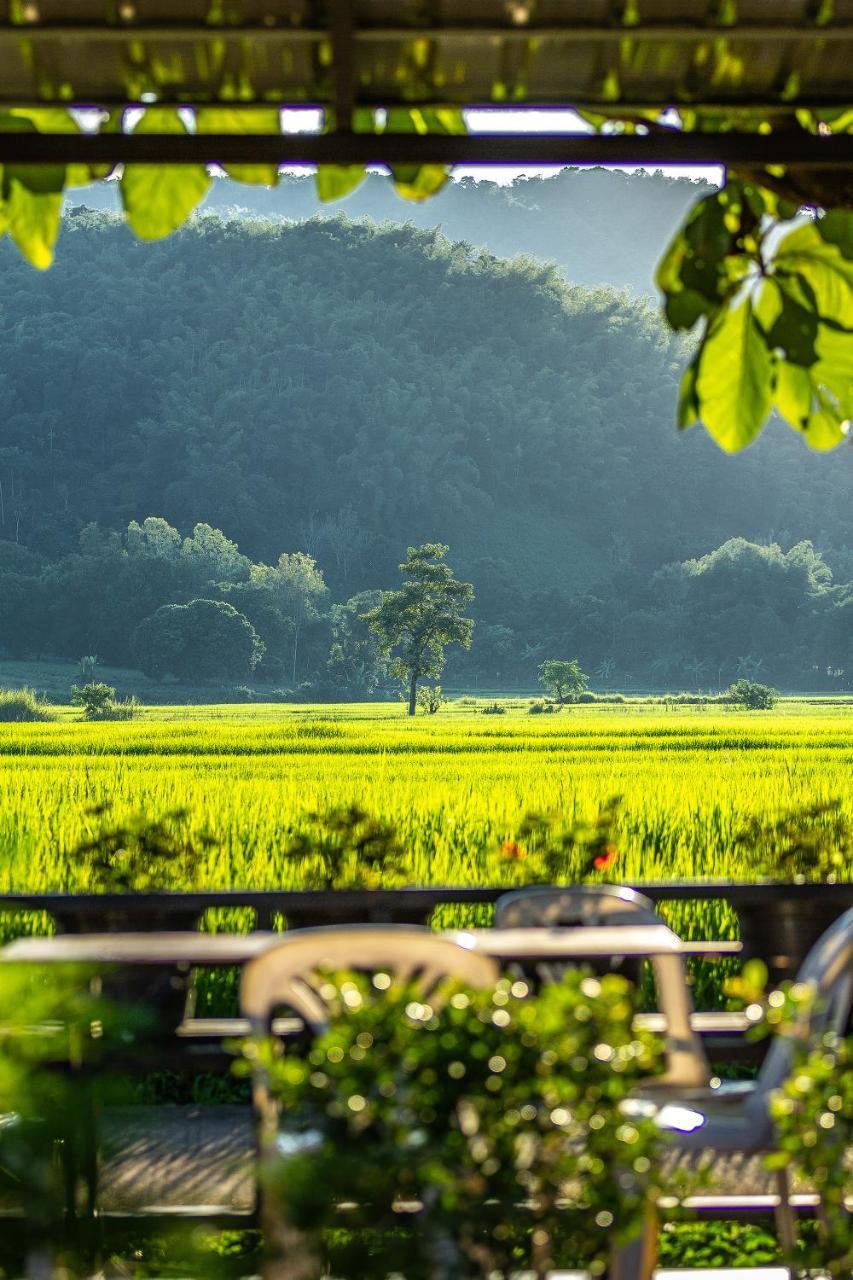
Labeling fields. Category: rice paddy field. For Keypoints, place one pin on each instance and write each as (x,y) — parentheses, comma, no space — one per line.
(455,785)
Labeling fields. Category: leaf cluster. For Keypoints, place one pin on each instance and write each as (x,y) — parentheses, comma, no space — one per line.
(462,1134)
(142,854)
(810,843)
(347,848)
(773,293)
(548,849)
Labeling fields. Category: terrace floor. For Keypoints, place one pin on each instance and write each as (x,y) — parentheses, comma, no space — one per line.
(199,1159)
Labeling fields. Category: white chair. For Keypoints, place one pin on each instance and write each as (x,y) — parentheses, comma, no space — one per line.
(579,905)
(290,974)
(735,1118)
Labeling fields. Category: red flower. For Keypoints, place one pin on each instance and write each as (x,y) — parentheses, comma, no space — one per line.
(511,850)
(606,858)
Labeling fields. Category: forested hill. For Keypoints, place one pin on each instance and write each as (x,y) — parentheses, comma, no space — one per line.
(601,227)
(347,390)
(272,380)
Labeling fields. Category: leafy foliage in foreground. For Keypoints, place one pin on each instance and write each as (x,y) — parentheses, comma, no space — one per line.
(455,1127)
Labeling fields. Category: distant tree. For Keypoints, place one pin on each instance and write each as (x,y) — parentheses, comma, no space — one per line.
(421,619)
(752,696)
(562,679)
(297,589)
(606,669)
(211,557)
(749,667)
(202,640)
(86,668)
(356,662)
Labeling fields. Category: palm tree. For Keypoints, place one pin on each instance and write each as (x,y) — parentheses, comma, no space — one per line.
(695,668)
(605,669)
(749,667)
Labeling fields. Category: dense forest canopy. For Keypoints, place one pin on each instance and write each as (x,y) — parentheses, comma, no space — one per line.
(343,390)
(601,226)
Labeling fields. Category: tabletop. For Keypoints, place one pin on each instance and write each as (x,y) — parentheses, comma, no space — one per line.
(193,949)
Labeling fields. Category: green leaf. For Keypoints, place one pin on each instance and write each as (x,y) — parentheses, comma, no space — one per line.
(734,383)
(794,331)
(793,394)
(159,198)
(334,181)
(418,182)
(33,222)
(833,369)
(825,269)
(836,227)
(41,179)
(688,405)
(683,308)
(823,430)
(263,120)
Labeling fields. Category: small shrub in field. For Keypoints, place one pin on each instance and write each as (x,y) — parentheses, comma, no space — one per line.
(752,696)
(494,709)
(20,705)
(98,702)
(543,708)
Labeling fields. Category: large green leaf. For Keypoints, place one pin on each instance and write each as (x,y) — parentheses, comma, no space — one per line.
(334,181)
(33,221)
(804,252)
(265,120)
(159,198)
(419,182)
(688,404)
(836,227)
(734,382)
(834,366)
(793,394)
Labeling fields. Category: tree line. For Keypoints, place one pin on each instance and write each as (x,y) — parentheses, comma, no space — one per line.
(196,609)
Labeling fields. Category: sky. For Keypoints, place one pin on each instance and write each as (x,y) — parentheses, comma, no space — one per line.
(530,120)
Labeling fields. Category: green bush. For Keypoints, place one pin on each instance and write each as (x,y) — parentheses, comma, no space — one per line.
(98,702)
(752,696)
(456,1130)
(20,705)
(494,709)
(543,708)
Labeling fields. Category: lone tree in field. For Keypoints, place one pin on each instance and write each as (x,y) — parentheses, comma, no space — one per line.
(562,679)
(420,620)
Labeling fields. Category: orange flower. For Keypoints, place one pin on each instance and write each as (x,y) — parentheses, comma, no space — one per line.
(511,850)
(606,858)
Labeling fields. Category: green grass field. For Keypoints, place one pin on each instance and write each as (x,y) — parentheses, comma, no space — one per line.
(456,784)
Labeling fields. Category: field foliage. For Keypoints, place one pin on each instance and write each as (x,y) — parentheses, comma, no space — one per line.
(455,785)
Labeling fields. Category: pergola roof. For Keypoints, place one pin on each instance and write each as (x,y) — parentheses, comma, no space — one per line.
(787,63)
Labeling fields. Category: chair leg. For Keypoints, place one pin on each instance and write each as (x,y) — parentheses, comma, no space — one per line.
(636,1259)
(786,1220)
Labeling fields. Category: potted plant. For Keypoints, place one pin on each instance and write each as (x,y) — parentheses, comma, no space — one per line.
(479,1134)
(801,848)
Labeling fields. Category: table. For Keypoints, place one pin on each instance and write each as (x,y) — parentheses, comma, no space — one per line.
(202,950)
(686,1060)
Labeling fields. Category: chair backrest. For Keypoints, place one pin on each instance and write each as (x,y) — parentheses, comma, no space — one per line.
(828,969)
(289,973)
(605,904)
(576,904)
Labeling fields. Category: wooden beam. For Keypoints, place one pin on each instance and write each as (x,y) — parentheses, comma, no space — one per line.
(658,148)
